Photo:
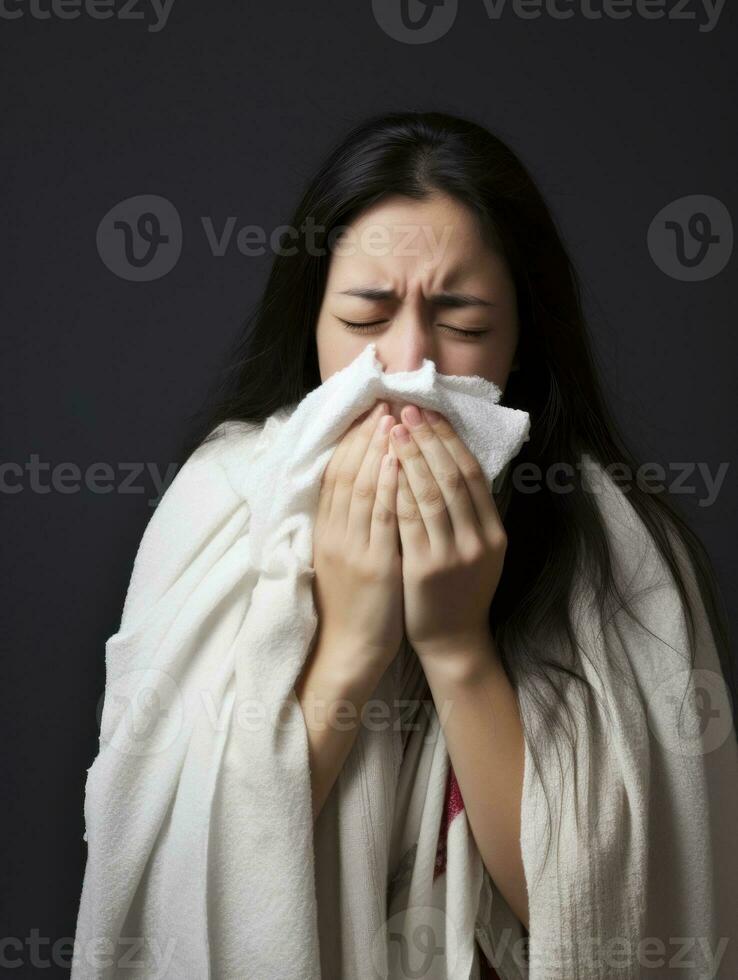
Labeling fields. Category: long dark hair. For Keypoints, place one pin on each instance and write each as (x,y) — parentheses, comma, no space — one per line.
(275,364)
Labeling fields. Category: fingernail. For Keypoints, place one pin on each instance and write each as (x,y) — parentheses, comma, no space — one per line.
(400,433)
(412,415)
(431,415)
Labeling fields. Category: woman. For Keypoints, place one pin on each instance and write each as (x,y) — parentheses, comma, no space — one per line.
(424,234)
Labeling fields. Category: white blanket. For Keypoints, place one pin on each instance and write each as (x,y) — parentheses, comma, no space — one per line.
(202,857)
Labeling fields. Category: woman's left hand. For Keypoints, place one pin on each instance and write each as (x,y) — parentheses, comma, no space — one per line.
(452,538)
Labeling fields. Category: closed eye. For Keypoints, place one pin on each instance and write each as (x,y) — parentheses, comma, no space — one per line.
(366,328)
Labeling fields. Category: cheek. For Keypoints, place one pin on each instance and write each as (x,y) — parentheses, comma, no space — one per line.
(466,359)
(336,350)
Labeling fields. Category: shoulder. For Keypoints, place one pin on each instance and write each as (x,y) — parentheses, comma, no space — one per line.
(221,463)
(224,455)
(202,512)
(638,564)
(211,479)
(651,624)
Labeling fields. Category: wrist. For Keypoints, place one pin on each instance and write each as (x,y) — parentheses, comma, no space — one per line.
(335,685)
(462,658)
(347,663)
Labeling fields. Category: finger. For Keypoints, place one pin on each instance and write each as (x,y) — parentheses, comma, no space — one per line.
(365,485)
(348,466)
(384,532)
(412,527)
(425,491)
(334,464)
(329,477)
(474,477)
(446,473)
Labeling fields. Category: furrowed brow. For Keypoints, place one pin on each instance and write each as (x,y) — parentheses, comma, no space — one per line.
(448,300)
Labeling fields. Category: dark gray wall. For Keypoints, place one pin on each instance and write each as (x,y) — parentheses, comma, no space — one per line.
(225,111)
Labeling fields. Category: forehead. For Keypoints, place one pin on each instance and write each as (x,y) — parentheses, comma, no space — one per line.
(399,237)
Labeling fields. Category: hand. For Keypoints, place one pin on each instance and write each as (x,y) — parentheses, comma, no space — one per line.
(453,539)
(356,548)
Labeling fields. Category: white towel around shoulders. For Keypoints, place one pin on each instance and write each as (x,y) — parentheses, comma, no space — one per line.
(201,847)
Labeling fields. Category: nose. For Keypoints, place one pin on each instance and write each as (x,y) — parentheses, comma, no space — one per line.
(404,347)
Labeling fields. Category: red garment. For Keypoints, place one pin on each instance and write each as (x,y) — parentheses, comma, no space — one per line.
(454,804)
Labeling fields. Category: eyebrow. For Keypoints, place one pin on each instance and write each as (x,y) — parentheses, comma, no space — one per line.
(448,300)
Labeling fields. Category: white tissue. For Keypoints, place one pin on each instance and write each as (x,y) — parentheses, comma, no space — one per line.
(302,438)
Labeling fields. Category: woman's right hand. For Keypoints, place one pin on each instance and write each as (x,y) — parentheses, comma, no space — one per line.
(356,546)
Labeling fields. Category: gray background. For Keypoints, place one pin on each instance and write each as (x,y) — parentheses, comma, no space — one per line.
(226,111)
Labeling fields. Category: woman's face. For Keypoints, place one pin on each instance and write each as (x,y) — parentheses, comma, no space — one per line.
(415,273)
